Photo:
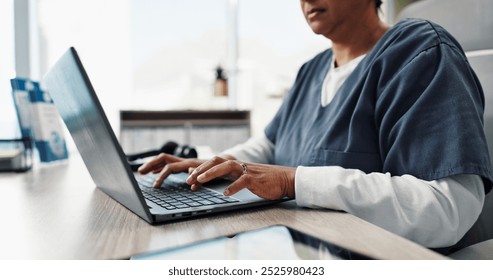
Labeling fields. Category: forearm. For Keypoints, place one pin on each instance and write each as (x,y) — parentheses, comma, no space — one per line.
(432,213)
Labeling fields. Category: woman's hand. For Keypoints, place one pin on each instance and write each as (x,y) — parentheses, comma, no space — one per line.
(165,164)
(267,181)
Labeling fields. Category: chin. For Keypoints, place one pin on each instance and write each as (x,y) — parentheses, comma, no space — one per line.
(317,29)
(316,25)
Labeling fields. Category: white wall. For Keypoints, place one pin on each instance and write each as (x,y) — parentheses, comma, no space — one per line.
(8,120)
(99,30)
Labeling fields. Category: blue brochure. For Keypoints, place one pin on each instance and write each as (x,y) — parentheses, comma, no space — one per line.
(43,119)
(20,93)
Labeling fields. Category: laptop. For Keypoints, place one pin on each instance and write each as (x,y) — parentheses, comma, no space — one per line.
(70,88)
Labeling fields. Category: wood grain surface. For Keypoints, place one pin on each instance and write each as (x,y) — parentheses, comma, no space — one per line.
(56,212)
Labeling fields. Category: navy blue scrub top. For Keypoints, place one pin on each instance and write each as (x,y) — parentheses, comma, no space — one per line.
(412,106)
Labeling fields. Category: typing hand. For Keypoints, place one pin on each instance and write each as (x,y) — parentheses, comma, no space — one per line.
(266,181)
(165,164)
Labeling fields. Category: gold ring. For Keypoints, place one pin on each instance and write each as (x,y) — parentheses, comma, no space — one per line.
(244,167)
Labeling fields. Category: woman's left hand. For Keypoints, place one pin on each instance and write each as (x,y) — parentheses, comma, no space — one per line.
(267,181)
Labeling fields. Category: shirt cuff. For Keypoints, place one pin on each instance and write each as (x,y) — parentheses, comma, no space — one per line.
(309,190)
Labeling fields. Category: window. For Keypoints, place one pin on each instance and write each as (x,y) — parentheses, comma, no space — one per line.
(275,41)
(177,45)
(99,30)
(162,55)
(8,120)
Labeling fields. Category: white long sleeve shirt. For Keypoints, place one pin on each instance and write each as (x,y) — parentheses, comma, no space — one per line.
(432,213)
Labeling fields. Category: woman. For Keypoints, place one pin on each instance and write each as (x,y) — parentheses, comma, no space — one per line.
(386,125)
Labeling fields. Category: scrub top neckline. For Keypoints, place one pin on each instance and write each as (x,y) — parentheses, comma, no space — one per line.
(335,78)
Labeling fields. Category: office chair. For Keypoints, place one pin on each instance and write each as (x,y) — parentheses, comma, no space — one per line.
(478,251)
(470,22)
(482,63)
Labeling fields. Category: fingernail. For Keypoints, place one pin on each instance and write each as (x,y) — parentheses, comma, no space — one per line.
(226,192)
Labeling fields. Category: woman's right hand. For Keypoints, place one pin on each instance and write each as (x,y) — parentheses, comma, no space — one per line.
(165,164)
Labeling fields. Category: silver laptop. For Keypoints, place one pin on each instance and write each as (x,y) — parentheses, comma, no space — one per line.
(69,87)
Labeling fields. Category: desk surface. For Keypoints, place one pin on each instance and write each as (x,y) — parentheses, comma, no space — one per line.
(56,212)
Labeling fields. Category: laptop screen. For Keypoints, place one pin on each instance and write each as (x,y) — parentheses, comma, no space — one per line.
(72,92)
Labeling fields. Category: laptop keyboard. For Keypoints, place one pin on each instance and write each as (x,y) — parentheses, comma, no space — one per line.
(178,195)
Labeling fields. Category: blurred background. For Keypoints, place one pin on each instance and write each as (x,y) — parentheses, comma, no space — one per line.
(161,54)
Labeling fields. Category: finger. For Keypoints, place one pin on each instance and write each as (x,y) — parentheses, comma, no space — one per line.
(226,169)
(192,179)
(146,168)
(171,168)
(195,187)
(155,169)
(237,185)
(163,174)
(190,170)
(157,163)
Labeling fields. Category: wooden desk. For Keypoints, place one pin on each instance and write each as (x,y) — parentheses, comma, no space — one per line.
(56,212)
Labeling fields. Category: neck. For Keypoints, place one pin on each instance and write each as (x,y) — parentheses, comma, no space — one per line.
(364,35)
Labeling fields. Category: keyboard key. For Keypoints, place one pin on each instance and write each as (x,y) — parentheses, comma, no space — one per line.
(175,203)
(217,200)
(206,202)
(194,204)
(181,206)
(229,199)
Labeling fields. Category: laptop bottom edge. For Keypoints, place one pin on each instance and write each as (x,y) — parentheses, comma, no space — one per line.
(193,213)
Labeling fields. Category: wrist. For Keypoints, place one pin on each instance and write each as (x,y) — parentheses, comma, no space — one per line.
(289,182)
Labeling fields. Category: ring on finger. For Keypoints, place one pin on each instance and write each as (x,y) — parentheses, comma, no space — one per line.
(243,167)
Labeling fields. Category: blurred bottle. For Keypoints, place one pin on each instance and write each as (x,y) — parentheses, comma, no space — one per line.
(221,84)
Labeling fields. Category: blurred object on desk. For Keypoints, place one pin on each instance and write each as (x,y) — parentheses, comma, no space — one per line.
(39,119)
(16,154)
(221,84)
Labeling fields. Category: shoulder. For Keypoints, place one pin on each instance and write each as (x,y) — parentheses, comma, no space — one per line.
(417,35)
(319,60)
(413,40)
(425,29)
